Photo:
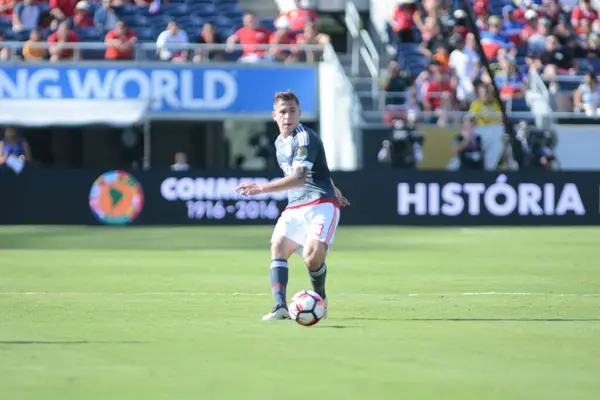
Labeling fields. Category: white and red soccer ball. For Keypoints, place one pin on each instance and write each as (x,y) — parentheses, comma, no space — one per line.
(307,308)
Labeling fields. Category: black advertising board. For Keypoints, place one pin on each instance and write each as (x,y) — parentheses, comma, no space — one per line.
(83,197)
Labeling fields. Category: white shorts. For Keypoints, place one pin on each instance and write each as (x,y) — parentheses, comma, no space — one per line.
(316,221)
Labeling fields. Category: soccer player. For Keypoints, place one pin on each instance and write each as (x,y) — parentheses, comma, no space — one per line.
(307,226)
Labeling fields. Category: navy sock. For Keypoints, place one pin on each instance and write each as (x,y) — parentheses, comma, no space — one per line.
(279,280)
(317,279)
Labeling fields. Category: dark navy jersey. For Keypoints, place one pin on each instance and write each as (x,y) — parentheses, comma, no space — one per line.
(304,148)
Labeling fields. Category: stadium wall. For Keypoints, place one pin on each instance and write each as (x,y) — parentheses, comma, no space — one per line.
(203,197)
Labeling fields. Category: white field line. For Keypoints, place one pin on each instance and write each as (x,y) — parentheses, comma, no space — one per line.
(393,295)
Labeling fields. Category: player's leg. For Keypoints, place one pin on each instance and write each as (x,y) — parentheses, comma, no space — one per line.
(282,247)
(323,223)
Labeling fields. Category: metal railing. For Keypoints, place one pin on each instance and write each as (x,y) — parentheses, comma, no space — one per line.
(149,51)
(362,47)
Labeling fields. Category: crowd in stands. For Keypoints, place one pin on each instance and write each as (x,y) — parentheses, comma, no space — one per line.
(440,70)
(173,25)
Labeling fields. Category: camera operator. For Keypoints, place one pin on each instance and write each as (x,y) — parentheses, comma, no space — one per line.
(404,147)
(537,147)
(468,146)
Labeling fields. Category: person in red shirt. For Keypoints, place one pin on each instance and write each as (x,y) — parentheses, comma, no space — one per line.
(530,27)
(312,37)
(439,96)
(584,11)
(120,42)
(62,9)
(298,17)
(402,21)
(82,17)
(6,9)
(250,36)
(282,36)
(57,41)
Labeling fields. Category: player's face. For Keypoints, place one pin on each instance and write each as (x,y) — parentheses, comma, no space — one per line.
(287,116)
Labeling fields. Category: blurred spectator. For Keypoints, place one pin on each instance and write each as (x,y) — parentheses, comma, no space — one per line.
(591,51)
(209,36)
(510,26)
(556,57)
(82,17)
(249,36)
(494,40)
(508,79)
(481,8)
(439,97)
(62,9)
(181,162)
(13,144)
(298,17)
(461,26)
(105,17)
(395,85)
(120,43)
(6,9)
(26,16)
(402,21)
(587,96)
(282,36)
(465,63)
(58,43)
(312,37)
(530,27)
(32,51)
(552,11)
(537,42)
(583,12)
(425,19)
(563,29)
(5,52)
(154,6)
(486,108)
(468,146)
(171,43)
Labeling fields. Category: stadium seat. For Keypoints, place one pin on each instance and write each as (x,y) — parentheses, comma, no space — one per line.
(175,9)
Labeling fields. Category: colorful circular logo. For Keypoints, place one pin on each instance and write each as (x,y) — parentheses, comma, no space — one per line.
(116,198)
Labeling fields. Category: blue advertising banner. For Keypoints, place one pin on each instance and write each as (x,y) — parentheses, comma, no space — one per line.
(201,91)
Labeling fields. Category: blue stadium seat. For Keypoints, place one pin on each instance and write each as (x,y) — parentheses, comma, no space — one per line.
(144,34)
(175,9)
(136,20)
(203,9)
(519,105)
(267,23)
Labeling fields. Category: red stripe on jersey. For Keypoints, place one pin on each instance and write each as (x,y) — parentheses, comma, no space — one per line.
(312,203)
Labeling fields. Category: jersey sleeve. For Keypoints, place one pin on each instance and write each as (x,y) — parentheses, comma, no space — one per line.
(305,151)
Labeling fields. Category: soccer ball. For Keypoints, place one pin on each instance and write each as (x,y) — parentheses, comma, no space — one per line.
(307,308)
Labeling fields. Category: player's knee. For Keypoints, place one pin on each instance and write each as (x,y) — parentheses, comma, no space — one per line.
(281,248)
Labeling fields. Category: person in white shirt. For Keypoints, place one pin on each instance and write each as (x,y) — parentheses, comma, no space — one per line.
(465,63)
(180,162)
(171,43)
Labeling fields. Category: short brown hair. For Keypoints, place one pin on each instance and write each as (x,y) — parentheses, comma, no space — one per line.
(286,96)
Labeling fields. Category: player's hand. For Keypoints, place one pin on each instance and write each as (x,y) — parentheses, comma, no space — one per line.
(344,202)
(249,189)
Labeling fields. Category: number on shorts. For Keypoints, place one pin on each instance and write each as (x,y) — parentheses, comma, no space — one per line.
(319,228)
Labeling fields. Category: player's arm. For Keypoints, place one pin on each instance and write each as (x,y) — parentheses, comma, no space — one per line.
(343,201)
(303,159)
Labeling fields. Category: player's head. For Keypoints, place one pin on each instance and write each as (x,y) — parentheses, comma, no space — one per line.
(286,111)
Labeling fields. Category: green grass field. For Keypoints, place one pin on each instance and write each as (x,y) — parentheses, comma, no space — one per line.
(175,313)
